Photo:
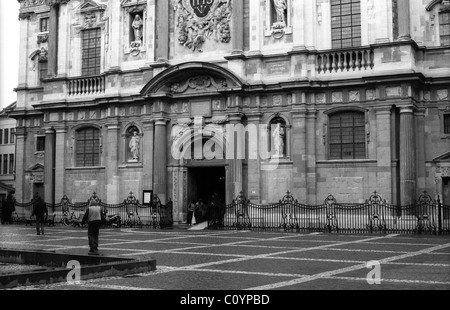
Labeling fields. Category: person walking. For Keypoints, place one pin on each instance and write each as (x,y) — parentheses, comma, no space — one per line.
(94,217)
(41,213)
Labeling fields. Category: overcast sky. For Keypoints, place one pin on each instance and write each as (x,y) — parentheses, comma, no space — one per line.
(9,51)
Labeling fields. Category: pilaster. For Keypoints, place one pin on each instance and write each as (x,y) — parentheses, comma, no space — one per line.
(160,159)
(60,155)
(49,166)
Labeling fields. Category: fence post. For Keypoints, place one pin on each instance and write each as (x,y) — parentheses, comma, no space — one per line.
(439,216)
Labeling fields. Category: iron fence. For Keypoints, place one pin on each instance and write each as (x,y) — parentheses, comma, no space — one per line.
(131,212)
(375,215)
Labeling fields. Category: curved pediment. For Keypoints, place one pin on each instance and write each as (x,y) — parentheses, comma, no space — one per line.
(193,78)
(445,3)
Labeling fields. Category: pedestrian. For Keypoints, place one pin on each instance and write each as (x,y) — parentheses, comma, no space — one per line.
(94,217)
(191,209)
(41,213)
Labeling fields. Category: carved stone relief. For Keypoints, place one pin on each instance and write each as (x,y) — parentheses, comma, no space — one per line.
(199,21)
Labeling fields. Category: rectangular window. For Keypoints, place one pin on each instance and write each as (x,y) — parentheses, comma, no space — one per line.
(347,136)
(91,49)
(43,70)
(5,164)
(40,144)
(447,123)
(11,163)
(1,136)
(12,135)
(346,23)
(43,26)
(6,136)
(444,28)
(88,148)
(1,171)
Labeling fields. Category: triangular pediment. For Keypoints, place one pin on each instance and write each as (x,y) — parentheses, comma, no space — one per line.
(36,168)
(90,6)
(442,158)
(126,3)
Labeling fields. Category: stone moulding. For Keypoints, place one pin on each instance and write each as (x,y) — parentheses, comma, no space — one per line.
(56,270)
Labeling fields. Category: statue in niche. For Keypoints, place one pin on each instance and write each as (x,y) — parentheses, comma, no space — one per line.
(278,141)
(134,145)
(280,8)
(137,27)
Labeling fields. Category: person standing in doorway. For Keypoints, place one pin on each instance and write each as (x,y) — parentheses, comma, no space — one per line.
(41,213)
(94,217)
(191,209)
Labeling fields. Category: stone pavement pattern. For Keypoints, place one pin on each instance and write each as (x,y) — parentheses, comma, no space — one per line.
(242,260)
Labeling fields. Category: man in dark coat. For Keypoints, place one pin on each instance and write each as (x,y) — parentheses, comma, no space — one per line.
(41,213)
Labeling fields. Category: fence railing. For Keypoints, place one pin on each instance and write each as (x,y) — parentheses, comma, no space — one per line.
(375,215)
(345,60)
(93,85)
(131,212)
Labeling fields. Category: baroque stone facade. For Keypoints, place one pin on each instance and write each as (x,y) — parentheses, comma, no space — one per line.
(126,80)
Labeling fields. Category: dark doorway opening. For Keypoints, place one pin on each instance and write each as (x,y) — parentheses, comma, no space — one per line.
(446,196)
(206,183)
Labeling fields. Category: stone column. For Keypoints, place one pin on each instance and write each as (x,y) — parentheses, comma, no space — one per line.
(160,160)
(383,151)
(53,40)
(60,157)
(298,154)
(311,173)
(49,165)
(237,20)
(420,149)
(162,30)
(21,137)
(404,20)
(407,156)
(147,155)
(112,162)
(235,182)
(254,164)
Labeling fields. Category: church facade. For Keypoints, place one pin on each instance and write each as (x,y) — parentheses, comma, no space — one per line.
(341,97)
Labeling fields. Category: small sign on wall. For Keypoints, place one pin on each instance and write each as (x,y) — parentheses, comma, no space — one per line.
(147,197)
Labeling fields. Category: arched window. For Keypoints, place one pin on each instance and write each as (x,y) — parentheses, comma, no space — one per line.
(278,134)
(87,147)
(347,135)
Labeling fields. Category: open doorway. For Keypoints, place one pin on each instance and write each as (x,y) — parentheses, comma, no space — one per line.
(206,183)
(446,196)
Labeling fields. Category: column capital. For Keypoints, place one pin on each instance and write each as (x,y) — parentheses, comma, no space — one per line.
(61,129)
(160,121)
(49,130)
(254,117)
(406,109)
(235,117)
(380,110)
(299,112)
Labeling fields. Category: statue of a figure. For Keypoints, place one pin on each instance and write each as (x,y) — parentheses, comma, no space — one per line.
(137,27)
(134,146)
(278,141)
(280,8)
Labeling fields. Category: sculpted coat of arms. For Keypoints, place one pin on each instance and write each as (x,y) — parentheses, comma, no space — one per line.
(201,20)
